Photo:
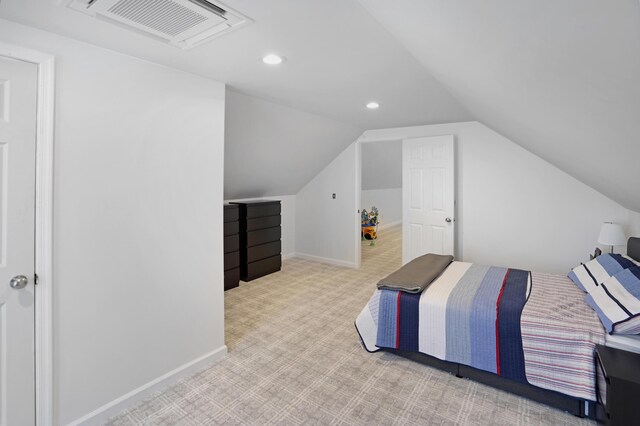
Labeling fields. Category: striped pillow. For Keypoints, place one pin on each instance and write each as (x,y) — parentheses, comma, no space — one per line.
(593,273)
(617,302)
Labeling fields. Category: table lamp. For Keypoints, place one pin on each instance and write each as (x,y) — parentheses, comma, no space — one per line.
(611,234)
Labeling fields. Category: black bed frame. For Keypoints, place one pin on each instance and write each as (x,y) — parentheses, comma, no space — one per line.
(576,406)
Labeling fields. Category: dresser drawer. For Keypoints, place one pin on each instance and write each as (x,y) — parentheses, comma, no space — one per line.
(231,278)
(263,222)
(263,251)
(231,228)
(231,260)
(263,236)
(231,213)
(262,267)
(231,243)
(263,209)
(260,233)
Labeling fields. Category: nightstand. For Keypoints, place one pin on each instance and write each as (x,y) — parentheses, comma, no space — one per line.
(618,385)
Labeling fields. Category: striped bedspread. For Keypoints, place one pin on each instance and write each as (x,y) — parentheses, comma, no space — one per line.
(531,328)
(559,334)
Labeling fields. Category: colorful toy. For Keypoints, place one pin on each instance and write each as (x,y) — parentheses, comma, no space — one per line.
(370,225)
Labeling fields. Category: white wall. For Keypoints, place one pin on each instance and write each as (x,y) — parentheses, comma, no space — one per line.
(381,165)
(288,221)
(271,149)
(515,209)
(633,229)
(388,202)
(568,91)
(326,227)
(138,275)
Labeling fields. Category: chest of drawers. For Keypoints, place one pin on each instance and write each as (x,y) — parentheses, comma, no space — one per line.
(231,246)
(260,244)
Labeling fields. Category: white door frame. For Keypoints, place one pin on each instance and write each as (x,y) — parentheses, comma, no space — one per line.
(389,135)
(358,189)
(43,226)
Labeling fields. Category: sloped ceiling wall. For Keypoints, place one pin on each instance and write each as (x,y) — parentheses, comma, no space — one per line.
(562,79)
(275,150)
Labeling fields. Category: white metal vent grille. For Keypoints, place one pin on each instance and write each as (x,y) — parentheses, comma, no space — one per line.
(165,16)
(182,23)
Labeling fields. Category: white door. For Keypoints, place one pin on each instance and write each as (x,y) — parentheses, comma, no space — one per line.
(427,196)
(18,84)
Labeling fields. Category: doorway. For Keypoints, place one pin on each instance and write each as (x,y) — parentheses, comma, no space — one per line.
(426,200)
(18,98)
(26,146)
(381,199)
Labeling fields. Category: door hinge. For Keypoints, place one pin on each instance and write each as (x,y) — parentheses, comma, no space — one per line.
(36,280)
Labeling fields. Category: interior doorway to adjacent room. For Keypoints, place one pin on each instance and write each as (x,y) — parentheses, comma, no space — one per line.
(411,183)
(380,195)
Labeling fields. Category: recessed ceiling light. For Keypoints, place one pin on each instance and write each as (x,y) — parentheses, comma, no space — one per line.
(273,59)
(373,105)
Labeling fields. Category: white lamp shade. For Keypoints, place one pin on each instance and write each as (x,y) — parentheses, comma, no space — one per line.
(611,234)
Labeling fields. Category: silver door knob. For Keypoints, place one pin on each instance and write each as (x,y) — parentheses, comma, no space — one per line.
(448,220)
(19,282)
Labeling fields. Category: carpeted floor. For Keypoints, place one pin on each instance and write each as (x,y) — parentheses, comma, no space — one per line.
(295,358)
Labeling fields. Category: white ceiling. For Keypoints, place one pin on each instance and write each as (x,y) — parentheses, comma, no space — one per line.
(338,58)
(560,78)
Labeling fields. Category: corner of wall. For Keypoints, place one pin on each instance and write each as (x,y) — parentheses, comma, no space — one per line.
(323,231)
(102,414)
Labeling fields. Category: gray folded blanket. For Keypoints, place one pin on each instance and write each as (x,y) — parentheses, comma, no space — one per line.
(416,275)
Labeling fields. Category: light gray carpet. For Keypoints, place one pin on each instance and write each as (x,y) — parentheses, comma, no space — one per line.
(295,358)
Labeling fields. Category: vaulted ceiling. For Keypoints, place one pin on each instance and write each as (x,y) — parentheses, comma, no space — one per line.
(271,149)
(338,58)
(559,78)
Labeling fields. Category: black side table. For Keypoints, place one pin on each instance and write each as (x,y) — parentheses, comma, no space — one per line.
(619,385)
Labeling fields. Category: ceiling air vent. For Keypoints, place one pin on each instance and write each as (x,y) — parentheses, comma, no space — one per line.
(182,23)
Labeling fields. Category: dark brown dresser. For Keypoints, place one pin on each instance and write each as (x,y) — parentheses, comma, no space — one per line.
(260,244)
(618,385)
(231,246)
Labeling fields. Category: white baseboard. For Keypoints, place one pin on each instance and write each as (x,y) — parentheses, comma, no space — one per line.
(99,416)
(288,256)
(327,260)
(389,225)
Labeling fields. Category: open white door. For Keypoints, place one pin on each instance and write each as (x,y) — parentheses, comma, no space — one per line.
(428,196)
(18,93)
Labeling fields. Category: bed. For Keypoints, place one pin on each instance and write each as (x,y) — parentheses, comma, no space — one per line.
(528,333)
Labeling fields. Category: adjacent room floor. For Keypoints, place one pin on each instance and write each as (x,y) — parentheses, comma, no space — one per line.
(295,358)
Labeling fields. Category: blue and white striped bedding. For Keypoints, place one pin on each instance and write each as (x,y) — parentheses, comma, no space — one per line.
(617,302)
(593,273)
(542,333)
